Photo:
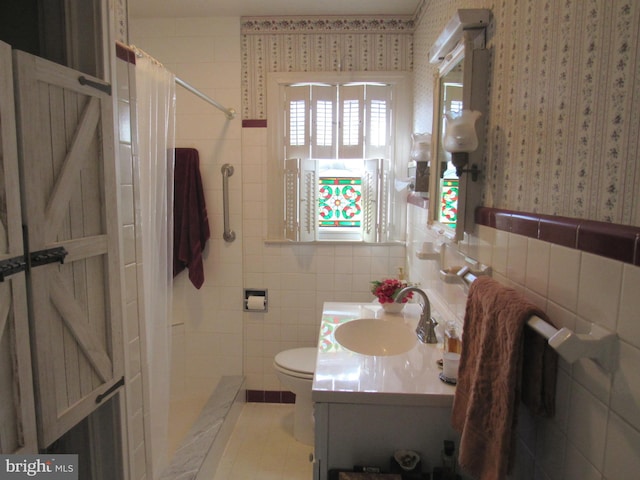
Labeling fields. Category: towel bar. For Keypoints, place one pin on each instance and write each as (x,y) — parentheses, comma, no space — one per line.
(597,344)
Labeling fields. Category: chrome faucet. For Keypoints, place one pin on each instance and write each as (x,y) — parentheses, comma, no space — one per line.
(426,325)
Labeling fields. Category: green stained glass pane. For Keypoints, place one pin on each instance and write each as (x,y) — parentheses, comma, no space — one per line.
(340,202)
(449,201)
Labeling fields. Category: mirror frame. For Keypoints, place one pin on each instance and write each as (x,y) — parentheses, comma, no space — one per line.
(474,56)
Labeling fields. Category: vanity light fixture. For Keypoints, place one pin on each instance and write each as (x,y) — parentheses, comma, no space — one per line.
(460,139)
(420,160)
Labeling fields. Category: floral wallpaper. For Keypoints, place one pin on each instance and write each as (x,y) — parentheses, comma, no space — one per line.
(120,17)
(301,44)
(564,122)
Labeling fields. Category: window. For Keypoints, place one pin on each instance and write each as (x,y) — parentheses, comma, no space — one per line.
(335,152)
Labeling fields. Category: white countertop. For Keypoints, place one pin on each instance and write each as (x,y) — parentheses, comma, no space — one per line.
(343,376)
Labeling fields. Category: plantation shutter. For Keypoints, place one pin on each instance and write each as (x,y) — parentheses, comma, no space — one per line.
(378,129)
(323,142)
(297,118)
(351,132)
(375,200)
(301,204)
(308,200)
(385,196)
(291,194)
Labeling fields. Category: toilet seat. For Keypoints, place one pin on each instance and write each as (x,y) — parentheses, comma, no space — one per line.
(297,362)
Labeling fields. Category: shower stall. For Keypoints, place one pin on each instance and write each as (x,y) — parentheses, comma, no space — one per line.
(182,330)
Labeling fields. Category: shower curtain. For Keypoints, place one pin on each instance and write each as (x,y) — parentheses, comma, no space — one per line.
(156,98)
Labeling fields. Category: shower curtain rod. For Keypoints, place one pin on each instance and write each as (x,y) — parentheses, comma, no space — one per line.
(229,112)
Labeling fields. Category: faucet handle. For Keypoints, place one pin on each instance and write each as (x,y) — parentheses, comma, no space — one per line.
(431,331)
(426,330)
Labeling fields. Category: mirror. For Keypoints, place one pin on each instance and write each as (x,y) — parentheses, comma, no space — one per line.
(460,83)
(449,85)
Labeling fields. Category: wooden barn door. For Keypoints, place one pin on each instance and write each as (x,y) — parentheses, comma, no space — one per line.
(67,174)
(17,414)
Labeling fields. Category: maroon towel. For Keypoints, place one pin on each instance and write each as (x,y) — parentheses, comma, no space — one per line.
(190,222)
(498,368)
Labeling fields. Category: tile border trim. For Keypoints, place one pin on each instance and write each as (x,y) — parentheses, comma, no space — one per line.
(254,123)
(615,241)
(418,200)
(270,396)
(125,53)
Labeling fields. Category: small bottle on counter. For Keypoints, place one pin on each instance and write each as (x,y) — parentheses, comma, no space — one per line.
(401,275)
(449,461)
(452,342)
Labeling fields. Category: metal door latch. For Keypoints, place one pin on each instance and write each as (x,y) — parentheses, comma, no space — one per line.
(44,257)
(11,266)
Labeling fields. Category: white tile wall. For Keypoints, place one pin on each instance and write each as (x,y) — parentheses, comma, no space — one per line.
(207,334)
(564,274)
(537,272)
(596,431)
(134,412)
(621,458)
(299,278)
(599,290)
(218,338)
(628,324)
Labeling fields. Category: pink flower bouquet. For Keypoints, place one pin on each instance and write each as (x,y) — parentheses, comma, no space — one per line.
(386,290)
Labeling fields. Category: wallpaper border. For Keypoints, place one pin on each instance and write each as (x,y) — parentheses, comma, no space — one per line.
(316,24)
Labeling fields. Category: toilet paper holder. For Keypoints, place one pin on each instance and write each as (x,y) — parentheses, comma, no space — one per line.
(254,294)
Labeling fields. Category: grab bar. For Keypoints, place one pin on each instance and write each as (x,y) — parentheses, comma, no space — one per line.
(228,234)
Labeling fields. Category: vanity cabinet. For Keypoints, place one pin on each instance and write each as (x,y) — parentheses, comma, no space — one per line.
(367,406)
(350,434)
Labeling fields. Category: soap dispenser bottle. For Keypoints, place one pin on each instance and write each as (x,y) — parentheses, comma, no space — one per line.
(401,275)
(452,342)
(448,461)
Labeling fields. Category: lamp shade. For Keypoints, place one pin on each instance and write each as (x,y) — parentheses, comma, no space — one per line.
(421,146)
(460,132)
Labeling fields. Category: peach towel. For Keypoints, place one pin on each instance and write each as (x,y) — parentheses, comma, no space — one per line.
(495,359)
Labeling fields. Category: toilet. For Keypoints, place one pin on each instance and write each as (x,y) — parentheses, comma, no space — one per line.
(295,369)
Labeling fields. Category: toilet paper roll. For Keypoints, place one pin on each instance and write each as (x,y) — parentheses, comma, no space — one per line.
(255,302)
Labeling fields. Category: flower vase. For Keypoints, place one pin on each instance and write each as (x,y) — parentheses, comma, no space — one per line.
(393,307)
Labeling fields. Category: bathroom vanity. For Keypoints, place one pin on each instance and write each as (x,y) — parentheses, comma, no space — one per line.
(368,406)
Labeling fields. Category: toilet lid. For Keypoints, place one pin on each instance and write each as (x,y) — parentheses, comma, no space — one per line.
(301,360)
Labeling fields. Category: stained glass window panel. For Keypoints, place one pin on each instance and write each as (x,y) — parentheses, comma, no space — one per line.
(449,201)
(340,202)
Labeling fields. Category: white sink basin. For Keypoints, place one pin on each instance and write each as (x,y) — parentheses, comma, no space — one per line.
(371,336)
